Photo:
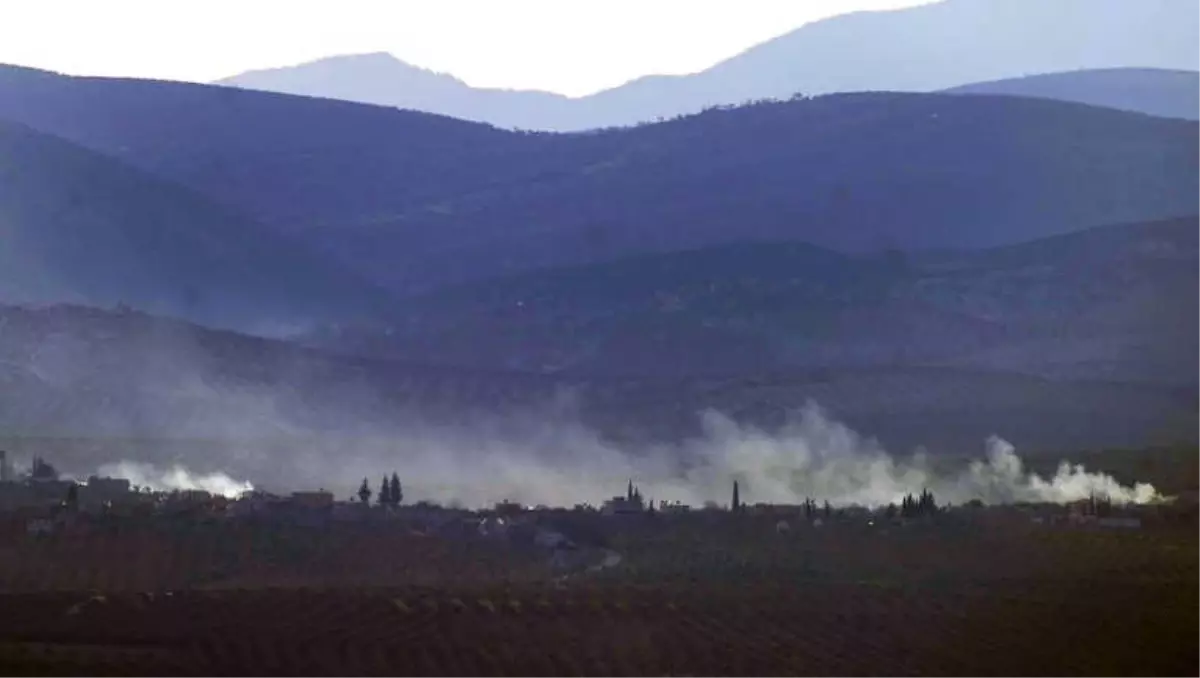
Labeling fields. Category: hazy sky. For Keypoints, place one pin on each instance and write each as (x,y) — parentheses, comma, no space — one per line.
(573,47)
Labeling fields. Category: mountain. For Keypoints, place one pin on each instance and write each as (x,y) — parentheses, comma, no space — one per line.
(1170,94)
(384,80)
(1115,302)
(415,200)
(919,49)
(79,226)
(89,386)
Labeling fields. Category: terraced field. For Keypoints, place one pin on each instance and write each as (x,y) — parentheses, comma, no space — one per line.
(1117,604)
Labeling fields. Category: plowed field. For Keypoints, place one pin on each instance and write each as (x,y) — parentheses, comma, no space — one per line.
(1120,604)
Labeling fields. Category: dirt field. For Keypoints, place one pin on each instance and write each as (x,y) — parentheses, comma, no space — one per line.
(1131,629)
(741,601)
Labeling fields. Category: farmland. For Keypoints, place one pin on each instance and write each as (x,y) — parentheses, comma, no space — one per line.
(695,595)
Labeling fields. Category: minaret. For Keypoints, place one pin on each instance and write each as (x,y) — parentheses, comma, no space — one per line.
(737,502)
(629,491)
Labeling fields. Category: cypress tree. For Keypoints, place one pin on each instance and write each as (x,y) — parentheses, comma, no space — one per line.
(385,492)
(397,495)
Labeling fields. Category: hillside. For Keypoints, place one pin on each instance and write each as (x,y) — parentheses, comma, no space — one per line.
(275,157)
(416,200)
(925,48)
(1115,302)
(79,226)
(94,386)
(1170,94)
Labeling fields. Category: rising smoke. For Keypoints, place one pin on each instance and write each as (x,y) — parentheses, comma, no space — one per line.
(174,478)
(547,457)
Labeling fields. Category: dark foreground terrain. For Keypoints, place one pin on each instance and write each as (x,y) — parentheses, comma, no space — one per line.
(981,597)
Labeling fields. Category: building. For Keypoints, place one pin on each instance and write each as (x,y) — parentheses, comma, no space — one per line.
(101,493)
(673,507)
(632,502)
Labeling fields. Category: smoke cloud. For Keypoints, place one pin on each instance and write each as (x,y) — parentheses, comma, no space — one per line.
(174,478)
(546,456)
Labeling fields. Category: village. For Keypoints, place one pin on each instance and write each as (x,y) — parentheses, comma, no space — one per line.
(40,501)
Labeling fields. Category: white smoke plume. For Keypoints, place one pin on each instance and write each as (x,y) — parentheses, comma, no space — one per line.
(545,456)
(174,478)
(814,456)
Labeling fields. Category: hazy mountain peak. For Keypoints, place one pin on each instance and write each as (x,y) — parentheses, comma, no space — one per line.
(381,79)
(926,48)
(369,65)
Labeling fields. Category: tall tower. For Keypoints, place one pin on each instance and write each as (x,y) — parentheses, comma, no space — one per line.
(737,501)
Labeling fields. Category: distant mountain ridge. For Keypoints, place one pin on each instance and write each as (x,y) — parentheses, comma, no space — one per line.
(352,77)
(413,200)
(926,48)
(1169,94)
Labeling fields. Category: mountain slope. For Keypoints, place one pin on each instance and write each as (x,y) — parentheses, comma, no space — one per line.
(79,226)
(272,156)
(1115,302)
(132,387)
(854,173)
(1170,94)
(415,200)
(920,49)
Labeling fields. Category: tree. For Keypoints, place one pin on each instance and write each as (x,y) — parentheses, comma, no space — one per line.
(828,510)
(397,495)
(928,504)
(72,501)
(385,492)
(364,492)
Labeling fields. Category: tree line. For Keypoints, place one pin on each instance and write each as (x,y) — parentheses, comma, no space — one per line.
(390,492)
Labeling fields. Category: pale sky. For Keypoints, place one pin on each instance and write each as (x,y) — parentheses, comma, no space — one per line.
(573,47)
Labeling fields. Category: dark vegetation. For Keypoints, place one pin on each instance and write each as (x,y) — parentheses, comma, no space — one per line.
(1114,302)
(415,199)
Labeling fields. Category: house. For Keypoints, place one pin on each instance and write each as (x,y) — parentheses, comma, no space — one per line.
(99,493)
(673,507)
(632,502)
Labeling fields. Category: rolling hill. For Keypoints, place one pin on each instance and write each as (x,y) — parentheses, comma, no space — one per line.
(79,226)
(415,200)
(1170,94)
(1115,302)
(925,48)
